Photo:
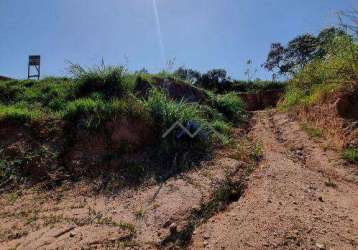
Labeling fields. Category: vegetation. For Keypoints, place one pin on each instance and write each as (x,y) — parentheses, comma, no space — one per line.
(301,51)
(338,68)
(312,132)
(218,81)
(351,154)
(91,98)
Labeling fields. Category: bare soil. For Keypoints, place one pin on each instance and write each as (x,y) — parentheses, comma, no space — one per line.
(301,197)
(78,216)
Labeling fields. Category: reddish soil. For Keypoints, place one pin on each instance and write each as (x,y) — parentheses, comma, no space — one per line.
(301,197)
(337,115)
(77,216)
(261,99)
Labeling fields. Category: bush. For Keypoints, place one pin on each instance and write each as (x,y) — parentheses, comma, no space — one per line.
(11,92)
(109,81)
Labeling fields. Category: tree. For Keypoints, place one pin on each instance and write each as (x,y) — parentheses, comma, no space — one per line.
(215,79)
(349,20)
(300,51)
(189,75)
(326,38)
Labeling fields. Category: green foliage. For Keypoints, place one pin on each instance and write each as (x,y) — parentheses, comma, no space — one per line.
(302,50)
(109,81)
(91,113)
(324,75)
(19,114)
(350,154)
(166,112)
(231,105)
(312,132)
(94,97)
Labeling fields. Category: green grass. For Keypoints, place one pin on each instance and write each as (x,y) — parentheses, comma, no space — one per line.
(351,155)
(231,105)
(312,132)
(20,114)
(95,97)
(112,81)
(165,111)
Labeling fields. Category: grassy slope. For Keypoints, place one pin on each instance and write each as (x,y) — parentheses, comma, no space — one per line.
(338,71)
(93,97)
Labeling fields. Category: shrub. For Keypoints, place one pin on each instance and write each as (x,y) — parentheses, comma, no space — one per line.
(176,148)
(19,114)
(231,105)
(11,91)
(166,111)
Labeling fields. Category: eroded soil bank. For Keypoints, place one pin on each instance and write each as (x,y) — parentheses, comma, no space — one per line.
(80,215)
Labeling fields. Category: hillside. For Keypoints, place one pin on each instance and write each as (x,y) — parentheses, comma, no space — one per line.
(106,158)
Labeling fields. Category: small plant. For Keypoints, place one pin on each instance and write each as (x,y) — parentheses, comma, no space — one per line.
(351,155)
(248,151)
(12,197)
(139,214)
(312,132)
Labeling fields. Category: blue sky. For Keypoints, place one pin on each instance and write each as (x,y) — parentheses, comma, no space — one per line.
(201,34)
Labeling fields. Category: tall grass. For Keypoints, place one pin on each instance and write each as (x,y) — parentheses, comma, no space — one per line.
(112,81)
(231,105)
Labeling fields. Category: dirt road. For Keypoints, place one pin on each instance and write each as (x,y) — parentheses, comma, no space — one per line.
(301,197)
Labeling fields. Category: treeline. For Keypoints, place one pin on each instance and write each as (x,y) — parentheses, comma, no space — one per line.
(219,81)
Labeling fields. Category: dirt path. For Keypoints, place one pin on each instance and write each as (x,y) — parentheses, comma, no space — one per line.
(301,197)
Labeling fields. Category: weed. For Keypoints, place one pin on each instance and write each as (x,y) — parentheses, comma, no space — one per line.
(351,155)
(312,132)
(12,197)
(248,151)
(19,114)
